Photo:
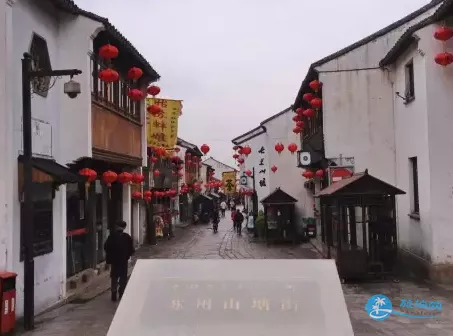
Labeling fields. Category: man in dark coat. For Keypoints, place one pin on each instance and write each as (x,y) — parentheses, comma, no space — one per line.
(118,248)
(238,219)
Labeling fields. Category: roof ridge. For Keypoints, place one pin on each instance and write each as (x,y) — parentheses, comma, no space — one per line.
(311,70)
(71,7)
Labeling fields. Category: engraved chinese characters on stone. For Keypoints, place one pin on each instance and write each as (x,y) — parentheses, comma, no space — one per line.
(177,304)
(205,304)
(261,304)
(231,304)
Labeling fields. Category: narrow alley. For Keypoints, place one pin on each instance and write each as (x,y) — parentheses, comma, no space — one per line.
(93,317)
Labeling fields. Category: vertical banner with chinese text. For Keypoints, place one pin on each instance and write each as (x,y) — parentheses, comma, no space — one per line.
(162,130)
(229,182)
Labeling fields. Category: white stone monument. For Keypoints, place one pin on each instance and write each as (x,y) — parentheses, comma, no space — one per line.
(233,297)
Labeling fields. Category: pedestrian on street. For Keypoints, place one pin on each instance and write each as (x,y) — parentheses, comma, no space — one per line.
(118,248)
(238,219)
(223,207)
(232,205)
(233,213)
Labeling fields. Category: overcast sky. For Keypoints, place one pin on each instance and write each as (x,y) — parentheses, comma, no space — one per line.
(237,62)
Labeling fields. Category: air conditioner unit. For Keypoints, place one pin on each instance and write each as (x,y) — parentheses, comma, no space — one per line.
(304,158)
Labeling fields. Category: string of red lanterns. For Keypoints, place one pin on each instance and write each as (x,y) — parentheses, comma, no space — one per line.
(109,75)
(443,34)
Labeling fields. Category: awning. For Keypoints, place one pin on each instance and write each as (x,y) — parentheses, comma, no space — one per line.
(60,173)
(206,196)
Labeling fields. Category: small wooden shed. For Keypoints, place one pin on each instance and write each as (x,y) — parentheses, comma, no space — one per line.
(358,225)
(279,217)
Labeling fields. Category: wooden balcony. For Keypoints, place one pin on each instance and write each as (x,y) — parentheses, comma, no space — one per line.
(115,121)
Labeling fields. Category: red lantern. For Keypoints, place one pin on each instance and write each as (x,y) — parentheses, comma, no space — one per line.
(124,177)
(147,194)
(316,103)
(279,147)
(292,147)
(137,195)
(274,169)
(135,94)
(319,173)
(236,147)
(153,90)
(309,174)
(156,173)
(134,73)
(301,113)
(204,149)
(108,51)
(137,178)
(444,58)
(309,113)
(296,118)
(89,174)
(154,159)
(246,150)
(297,130)
(154,109)
(109,177)
(235,156)
(109,75)
(241,160)
(315,85)
(240,150)
(299,110)
(177,149)
(308,97)
(300,124)
(248,172)
(443,33)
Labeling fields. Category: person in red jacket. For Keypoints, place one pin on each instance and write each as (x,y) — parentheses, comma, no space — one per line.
(233,213)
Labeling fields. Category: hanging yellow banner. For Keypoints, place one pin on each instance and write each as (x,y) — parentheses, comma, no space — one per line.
(162,129)
(229,182)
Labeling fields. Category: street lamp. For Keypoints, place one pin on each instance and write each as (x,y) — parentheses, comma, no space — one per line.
(72,89)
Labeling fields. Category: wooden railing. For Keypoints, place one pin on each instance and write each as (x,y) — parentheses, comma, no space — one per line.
(312,125)
(112,96)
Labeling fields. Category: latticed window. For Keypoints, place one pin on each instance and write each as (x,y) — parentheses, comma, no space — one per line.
(40,61)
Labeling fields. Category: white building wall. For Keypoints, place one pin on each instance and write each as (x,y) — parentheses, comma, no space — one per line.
(439,88)
(219,167)
(253,161)
(358,106)
(65,126)
(6,138)
(288,176)
(411,135)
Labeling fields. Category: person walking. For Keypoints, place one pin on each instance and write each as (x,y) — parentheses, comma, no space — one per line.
(223,207)
(238,219)
(232,205)
(118,248)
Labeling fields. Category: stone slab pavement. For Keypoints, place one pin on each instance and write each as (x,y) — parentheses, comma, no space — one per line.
(93,315)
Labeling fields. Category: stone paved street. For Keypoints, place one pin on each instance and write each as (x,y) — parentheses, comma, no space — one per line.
(199,242)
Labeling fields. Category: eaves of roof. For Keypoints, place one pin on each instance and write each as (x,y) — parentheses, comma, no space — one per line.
(312,73)
(211,158)
(70,7)
(408,37)
(248,135)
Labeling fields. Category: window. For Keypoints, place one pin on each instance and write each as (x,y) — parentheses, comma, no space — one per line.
(42,219)
(40,61)
(410,87)
(415,205)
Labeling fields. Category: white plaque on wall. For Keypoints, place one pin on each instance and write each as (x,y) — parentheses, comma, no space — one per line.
(41,138)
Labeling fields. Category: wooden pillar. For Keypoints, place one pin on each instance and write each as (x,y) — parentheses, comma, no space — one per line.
(91,224)
(353,225)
